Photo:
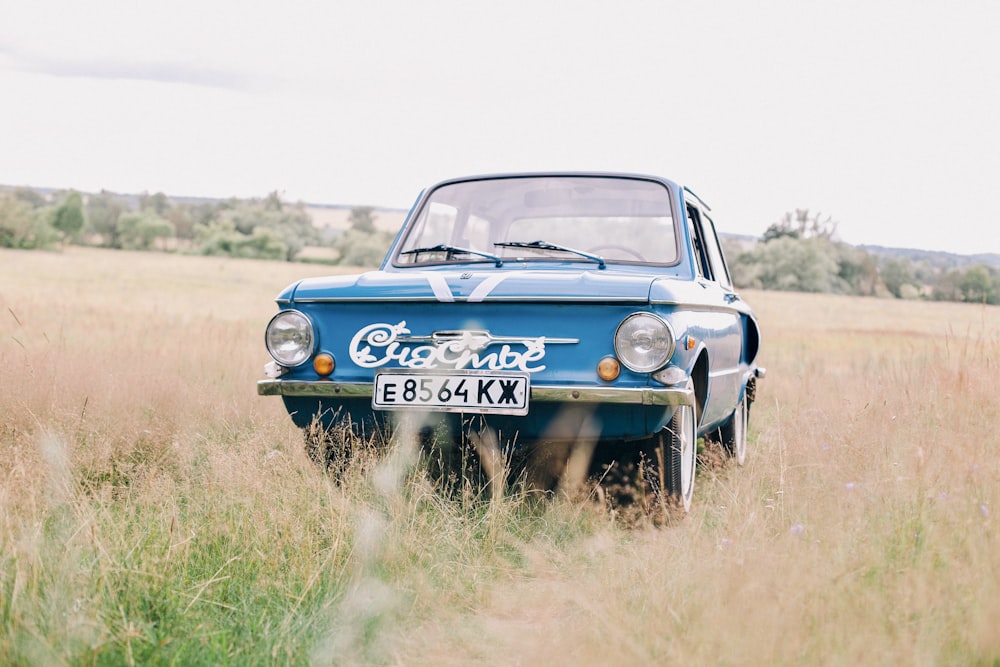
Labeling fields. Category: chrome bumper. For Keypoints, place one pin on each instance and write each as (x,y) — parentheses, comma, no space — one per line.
(656,396)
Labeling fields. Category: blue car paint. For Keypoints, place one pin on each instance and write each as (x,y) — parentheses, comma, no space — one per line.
(556,299)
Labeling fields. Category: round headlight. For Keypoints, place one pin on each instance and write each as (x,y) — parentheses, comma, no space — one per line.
(289,338)
(644,342)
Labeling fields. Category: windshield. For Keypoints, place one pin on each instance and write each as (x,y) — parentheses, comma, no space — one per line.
(568,218)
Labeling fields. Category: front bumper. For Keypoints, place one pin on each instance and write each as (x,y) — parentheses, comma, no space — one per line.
(653,396)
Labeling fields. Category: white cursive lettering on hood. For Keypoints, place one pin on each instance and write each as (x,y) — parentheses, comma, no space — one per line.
(379,344)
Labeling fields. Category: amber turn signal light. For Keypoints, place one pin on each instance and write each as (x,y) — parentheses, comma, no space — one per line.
(608,369)
(323,364)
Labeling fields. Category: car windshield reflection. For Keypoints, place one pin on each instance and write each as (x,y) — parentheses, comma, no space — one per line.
(602,219)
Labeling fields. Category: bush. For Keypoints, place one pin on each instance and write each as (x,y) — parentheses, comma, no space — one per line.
(290,225)
(791,264)
(140,230)
(24,227)
(362,249)
(223,239)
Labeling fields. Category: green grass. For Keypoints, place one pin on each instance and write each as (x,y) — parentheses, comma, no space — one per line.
(154,510)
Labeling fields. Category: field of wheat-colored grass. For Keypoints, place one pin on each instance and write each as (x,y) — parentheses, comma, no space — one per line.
(155,510)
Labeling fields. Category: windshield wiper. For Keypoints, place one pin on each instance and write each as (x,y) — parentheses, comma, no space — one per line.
(450,250)
(543,245)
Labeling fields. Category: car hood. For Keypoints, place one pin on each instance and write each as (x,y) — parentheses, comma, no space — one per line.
(473,286)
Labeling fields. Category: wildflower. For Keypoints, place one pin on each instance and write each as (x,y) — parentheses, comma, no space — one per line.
(797,530)
(984,510)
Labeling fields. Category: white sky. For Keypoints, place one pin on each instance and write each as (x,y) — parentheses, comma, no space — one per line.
(884,114)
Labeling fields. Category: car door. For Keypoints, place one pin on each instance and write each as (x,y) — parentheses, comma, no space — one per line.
(723,334)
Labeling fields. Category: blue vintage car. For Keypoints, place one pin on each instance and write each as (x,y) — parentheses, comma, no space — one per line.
(546,307)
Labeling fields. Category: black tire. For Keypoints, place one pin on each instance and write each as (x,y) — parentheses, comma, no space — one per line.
(679,452)
(733,434)
(675,454)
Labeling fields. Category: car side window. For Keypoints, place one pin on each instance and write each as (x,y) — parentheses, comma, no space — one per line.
(701,264)
(715,256)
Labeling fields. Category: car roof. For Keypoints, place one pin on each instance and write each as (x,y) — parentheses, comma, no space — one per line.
(558,174)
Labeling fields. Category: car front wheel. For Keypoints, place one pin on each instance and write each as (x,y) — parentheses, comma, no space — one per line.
(679,444)
(676,454)
(733,434)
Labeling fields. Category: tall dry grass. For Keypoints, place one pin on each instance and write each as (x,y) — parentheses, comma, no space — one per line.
(154,510)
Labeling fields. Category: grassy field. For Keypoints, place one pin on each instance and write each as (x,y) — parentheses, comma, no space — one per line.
(155,510)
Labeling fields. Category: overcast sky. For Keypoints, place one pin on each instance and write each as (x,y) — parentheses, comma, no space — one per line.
(883,114)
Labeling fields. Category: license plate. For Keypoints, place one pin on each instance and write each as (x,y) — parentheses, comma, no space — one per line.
(477,392)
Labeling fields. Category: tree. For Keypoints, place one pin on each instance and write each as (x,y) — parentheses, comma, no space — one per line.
(273,201)
(23,227)
(290,223)
(140,231)
(362,249)
(221,238)
(857,270)
(183,220)
(897,274)
(157,202)
(792,264)
(103,213)
(69,219)
(362,219)
(946,287)
(978,285)
(800,224)
(262,244)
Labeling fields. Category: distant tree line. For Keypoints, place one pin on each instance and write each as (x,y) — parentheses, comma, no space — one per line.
(800,253)
(266,228)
